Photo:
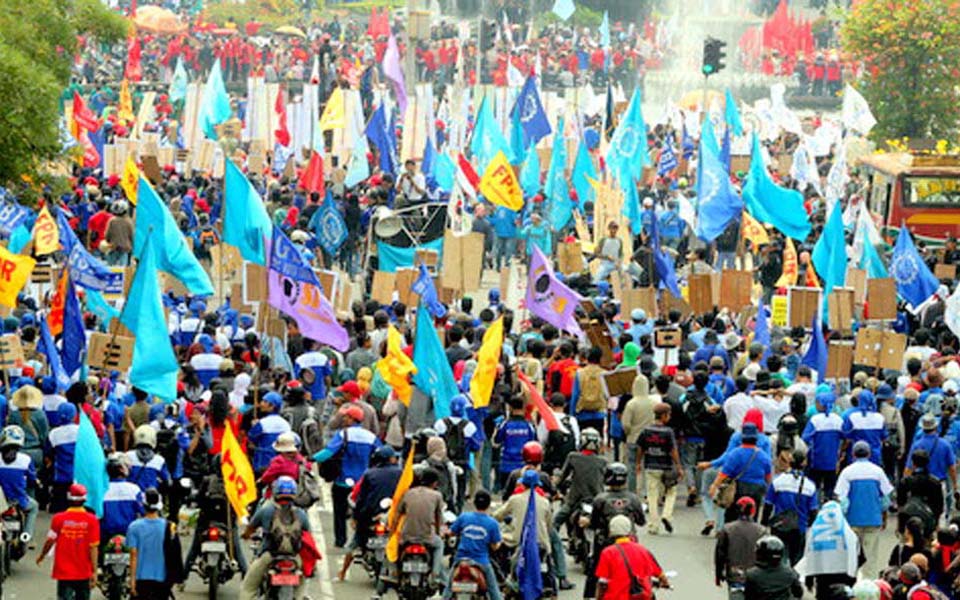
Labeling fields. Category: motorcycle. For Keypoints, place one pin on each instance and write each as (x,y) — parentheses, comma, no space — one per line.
(508,558)
(373,553)
(581,535)
(414,577)
(116,569)
(15,539)
(282,579)
(216,566)
(469,581)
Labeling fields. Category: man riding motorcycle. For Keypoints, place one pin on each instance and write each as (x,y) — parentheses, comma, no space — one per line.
(17,472)
(583,473)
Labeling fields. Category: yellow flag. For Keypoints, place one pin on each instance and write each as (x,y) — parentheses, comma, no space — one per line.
(791,268)
(125,108)
(499,183)
(46,234)
(334,113)
(130,179)
(811,279)
(238,480)
(15,269)
(397,367)
(481,384)
(754,231)
(395,520)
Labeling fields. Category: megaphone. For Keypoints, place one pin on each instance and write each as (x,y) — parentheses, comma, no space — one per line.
(388,223)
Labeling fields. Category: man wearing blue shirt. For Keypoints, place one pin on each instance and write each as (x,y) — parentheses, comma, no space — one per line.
(823,436)
(479,534)
(510,436)
(537,233)
(748,464)
(148,572)
(942,458)
(266,431)
(504,223)
(866,424)
(791,493)
(17,471)
(864,492)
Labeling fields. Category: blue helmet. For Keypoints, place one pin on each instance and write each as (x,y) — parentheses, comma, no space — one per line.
(284,486)
(494,296)
(274,399)
(48,385)
(530,479)
(458,405)
(66,413)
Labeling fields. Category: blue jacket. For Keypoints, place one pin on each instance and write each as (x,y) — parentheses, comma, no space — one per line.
(61,443)
(149,474)
(510,437)
(863,490)
(261,438)
(15,476)
(378,483)
(793,491)
(823,436)
(356,456)
(122,504)
(866,424)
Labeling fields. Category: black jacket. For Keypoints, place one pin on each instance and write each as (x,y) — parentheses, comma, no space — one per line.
(777,583)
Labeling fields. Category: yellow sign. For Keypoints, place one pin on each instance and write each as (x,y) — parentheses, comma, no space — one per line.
(397,367)
(334,113)
(791,268)
(130,180)
(46,234)
(481,384)
(499,183)
(15,270)
(754,231)
(238,480)
(778,309)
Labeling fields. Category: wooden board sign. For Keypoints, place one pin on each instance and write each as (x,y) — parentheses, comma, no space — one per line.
(570,258)
(619,382)
(110,352)
(735,289)
(701,294)
(462,261)
(383,286)
(882,299)
(255,284)
(11,351)
(644,298)
(405,279)
(942,271)
(668,302)
(803,304)
(840,309)
(881,349)
(857,279)
(839,360)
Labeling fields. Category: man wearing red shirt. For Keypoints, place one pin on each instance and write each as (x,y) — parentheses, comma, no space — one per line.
(97,224)
(625,560)
(76,533)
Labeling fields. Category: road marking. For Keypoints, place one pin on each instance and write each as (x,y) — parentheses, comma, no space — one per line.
(316,526)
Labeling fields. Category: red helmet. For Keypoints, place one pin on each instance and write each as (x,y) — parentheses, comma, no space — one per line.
(77,493)
(532,453)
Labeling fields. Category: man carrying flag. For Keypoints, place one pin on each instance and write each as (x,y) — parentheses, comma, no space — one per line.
(531,516)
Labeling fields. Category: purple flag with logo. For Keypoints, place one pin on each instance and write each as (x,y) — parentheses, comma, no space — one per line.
(549,298)
(295,290)
(394,72)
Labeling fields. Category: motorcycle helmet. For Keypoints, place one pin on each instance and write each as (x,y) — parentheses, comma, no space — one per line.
(532,453)
(66,413)
(615,475)
(145,436)
(590,440)
(284,487)
(770,551)
(788,425)
(12,436)
(384,454)
(77,492)
(117,466)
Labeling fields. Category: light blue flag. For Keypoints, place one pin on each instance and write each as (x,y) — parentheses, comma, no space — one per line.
(530,175)
(173,255)
(605,31)
(434,375)
(154,367)
(560,206)
(529,113)
(708,137)
(517,143)
(96,304)
(717,201)
(631,209)
(871,262)
(487,138)
(770,203)
(214,104)
(830,253)
(90,465)
(628,153)
(564,9)
(583,171)
(445,172)
(246,224)
(358,168)
(328,225)
(761,328)
(46,345)
(558,161)
(732,115)
(178,85)
(915,282)
(19,238)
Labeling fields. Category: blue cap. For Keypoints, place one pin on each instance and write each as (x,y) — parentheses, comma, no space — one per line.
(530,479)
(884,392)
(749,432)
(274,399)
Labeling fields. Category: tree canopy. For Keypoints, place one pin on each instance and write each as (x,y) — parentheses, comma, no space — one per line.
(911,51)
(38,39)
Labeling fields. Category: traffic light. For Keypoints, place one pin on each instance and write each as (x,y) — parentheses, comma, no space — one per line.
(713,56)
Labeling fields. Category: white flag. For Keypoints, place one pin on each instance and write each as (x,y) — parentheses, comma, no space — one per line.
(837,178)
(951,313)
(856,112)
(866,233)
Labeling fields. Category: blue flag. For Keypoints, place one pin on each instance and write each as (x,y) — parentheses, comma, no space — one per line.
(708,137)
(377,134)
(328,225)
(915,282)
(761,329)
(434,376)
(687,144)
(74,341)
(517,139)
(425,288)
(49,349)
(172,254)
(530,174)
(214,105)
(668,160)
(731,115)
(583,172)
(154,367)
(816,356)
(246,224)
(725,150)
(529,578)
(663,261)
(68,239)
(631,209)
(90,464)
(429,161)
(528,111)
(830,253)
(445,172)
(628,153)
(871,262)
(717,201)
(487,139)
(96,304)
(770,203)
(89,272)
(12,215)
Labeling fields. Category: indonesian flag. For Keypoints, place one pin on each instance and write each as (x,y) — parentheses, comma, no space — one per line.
(311,179)
(282,134)
(467,176)
(83,115)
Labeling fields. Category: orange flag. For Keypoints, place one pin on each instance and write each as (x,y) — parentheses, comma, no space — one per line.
(312,178)
(394,518)
(791,268)
(55,318)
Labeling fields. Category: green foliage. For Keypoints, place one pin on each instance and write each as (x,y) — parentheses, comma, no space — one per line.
(911,52)
(270,12)
(37,42)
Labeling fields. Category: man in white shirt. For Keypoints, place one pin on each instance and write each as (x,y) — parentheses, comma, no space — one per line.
(412,185)
(803,385)
(737,405)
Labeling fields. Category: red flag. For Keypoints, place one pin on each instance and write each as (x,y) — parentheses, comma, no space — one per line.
(549,419)
(133,71)
(83,115)
(91,158)
(467,176)
(282,134)
(312,178)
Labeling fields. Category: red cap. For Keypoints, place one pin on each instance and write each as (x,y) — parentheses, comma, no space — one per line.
(355,413)
(113,180)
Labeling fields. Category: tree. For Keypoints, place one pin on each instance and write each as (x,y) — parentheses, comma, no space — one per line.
(911,53)
(37,45)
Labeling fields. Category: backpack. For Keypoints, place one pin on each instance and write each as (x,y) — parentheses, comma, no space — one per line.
(560,443)
(168,446)
(285,534)
(456,441)
(213,488)
(311,437)
(308,488)
(916,507)
(591,390)
(330,469)
(892,440)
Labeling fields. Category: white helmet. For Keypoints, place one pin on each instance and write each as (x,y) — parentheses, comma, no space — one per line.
(145,436)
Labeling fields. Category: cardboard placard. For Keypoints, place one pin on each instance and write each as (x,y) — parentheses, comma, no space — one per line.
(857,279)
(942,271)
(151,168)
(570,258)
(840,309)
(600,336)
(668,302)
(462,261)
(427,257)
(735,289)
(619,382)
(255,286)
(383,286)
(118,328)
(839,360)
(328,282)
(405,279)
(803,304)
(238,299)
(446,295)
(892,350)
(110,352)
(227,262)
(882,299)
(882,349)
(667,337)
(644,298)
(11,351)
(701,294)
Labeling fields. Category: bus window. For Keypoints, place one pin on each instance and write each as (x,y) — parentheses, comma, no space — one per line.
(931,191)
